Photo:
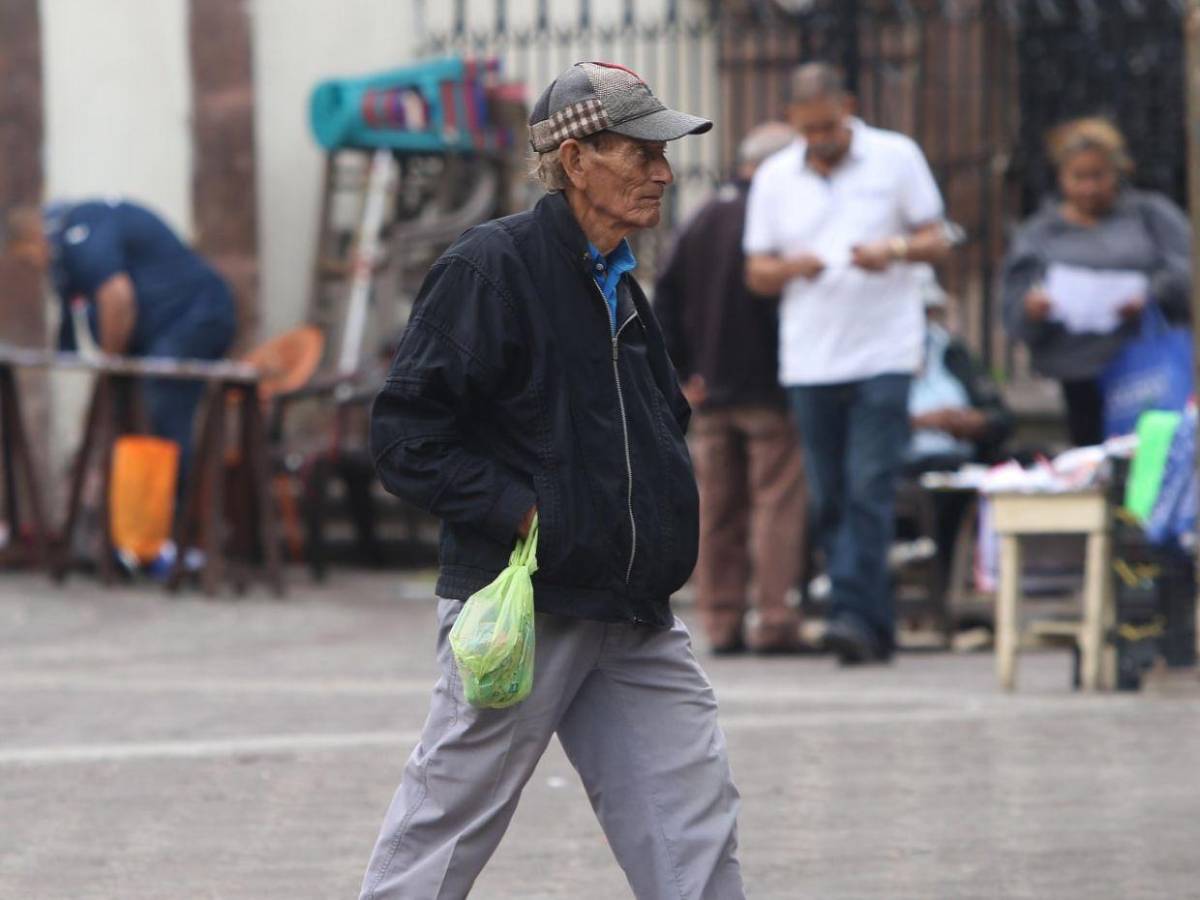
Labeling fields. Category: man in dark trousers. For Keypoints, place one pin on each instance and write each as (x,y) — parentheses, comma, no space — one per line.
(142,291)
(724,342)
(532,376)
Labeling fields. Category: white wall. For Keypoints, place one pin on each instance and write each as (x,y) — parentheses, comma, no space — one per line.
(296,44)
(118,99)
(117,85)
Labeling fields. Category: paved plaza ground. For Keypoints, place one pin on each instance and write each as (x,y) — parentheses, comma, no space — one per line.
(189,748)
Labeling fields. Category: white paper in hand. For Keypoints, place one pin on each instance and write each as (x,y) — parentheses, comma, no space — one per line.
(1089,300)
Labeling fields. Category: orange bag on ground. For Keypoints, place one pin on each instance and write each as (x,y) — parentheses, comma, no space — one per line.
(141,496)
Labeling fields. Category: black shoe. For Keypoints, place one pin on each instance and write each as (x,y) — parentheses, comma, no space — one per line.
(852,645)
(786,648)
(733,647)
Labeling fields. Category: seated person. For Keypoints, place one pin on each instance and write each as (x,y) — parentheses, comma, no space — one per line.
(956,410)
(144,293)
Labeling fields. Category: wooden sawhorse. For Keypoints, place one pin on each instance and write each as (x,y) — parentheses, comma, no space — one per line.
(115,410)
(244,498)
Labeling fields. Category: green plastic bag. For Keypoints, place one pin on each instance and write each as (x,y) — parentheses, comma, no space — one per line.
(1155,431)
(492,638)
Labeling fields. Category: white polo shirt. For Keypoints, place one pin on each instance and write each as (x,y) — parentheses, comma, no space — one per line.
(847,324)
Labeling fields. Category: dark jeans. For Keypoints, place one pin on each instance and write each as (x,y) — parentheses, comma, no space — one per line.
(854,436)
(1085,411)
(205,333)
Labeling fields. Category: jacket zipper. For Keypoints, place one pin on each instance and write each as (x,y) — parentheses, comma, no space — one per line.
(624,431)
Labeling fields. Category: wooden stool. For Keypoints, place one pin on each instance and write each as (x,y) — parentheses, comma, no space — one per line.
(1020,515)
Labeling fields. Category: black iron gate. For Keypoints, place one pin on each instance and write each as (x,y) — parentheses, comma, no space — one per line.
(976,82)
(1120,58)
(940,72)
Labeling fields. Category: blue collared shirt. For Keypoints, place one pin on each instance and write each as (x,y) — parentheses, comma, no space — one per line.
(607,270)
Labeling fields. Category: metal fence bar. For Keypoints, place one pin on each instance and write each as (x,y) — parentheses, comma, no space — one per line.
(975,82)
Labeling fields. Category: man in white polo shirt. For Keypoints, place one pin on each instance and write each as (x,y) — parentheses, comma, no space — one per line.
(832,223)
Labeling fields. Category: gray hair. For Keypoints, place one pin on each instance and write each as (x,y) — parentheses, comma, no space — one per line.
(817,81)
(765,140)
(547,169)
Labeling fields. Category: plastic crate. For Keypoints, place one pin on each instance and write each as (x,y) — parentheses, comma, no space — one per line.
(440,106)
(1155,591)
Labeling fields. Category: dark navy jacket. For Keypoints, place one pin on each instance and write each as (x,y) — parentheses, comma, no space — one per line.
(510,389)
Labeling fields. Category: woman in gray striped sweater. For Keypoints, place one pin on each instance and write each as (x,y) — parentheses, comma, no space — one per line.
(1097,222)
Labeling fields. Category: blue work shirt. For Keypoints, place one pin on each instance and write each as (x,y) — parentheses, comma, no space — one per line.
(607,270)
(173,286)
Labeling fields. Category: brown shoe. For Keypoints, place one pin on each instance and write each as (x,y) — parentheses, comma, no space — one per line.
(780,638)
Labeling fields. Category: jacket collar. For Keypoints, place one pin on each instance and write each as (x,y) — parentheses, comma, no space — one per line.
(554,214)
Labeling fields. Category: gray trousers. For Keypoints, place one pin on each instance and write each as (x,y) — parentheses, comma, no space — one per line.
(638,720)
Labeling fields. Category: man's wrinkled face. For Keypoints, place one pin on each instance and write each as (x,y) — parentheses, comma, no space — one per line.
(626,179)
(824,125)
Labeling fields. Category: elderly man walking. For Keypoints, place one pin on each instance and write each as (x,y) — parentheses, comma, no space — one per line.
(833,223)
(532,378)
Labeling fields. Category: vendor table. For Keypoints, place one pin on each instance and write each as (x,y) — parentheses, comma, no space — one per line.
(115,409)
(1019,515)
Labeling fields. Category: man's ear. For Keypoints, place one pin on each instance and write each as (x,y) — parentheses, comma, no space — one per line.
(570,154)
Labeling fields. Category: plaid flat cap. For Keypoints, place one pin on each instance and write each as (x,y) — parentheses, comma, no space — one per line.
(599,96)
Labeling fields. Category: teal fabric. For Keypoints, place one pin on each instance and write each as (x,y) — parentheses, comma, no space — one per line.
(607,270)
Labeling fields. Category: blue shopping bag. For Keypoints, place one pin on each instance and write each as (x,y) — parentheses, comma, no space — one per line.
(1173,517)
(1151,371)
